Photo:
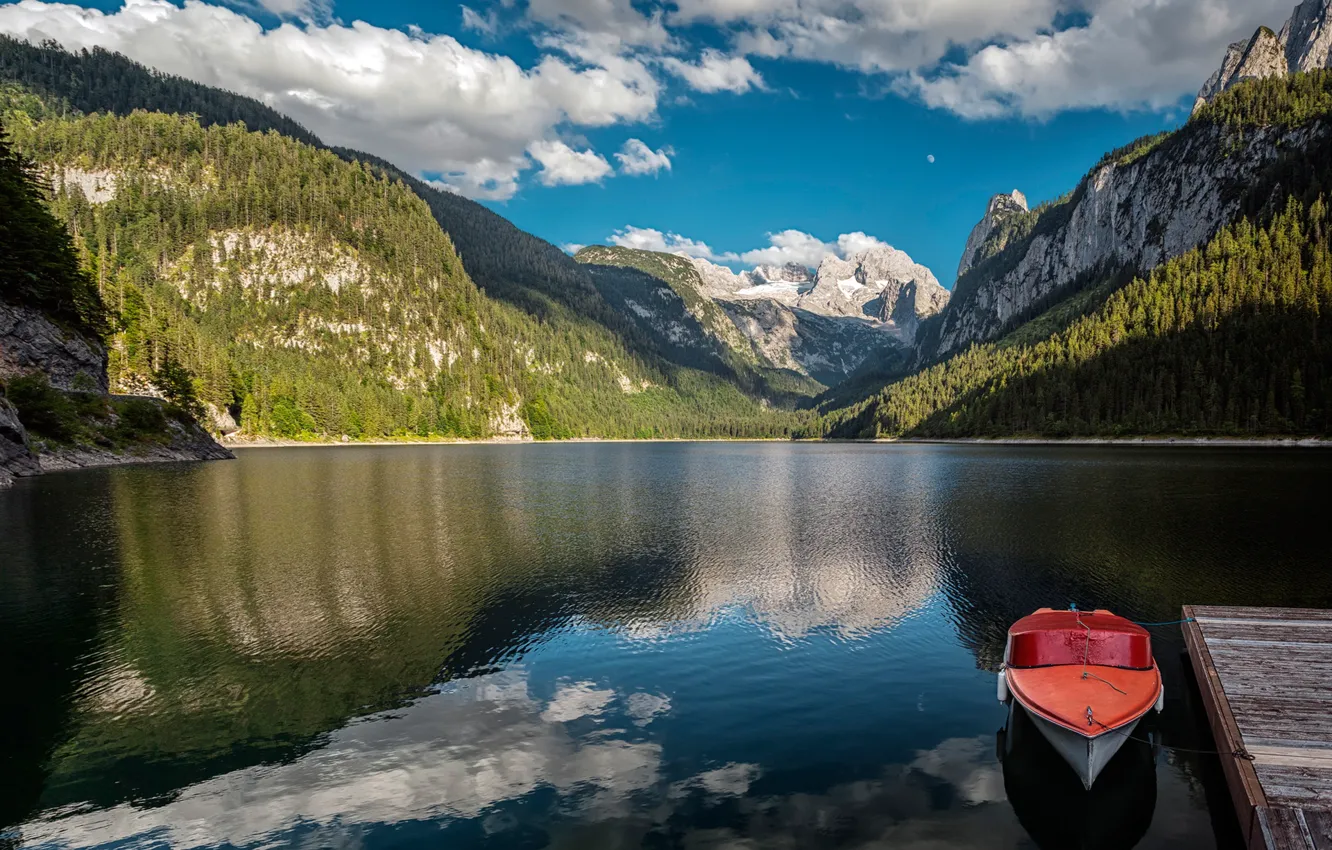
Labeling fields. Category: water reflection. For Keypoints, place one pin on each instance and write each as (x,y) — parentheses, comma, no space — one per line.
(1051,803)
(591,646)
(458,753)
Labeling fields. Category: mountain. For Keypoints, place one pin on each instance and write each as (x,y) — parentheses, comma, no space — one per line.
(881,283)
(825,325)
(1001,209)
(1140,206)
(318,292)
(1304,44)
(1183,288)
(663,294)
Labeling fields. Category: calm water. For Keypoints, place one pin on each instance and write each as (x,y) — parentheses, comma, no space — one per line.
(610,646)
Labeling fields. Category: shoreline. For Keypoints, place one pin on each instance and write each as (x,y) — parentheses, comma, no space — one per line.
(1204,442)
(1212,442)
(275,443)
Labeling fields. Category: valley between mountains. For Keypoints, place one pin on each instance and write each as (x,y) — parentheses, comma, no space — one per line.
(174,254)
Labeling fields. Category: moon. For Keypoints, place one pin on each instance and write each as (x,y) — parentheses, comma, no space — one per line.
(930,157)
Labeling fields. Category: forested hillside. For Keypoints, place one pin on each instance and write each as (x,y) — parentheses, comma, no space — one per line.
(38,267)
(316,297)
(504,261)
(1229,339)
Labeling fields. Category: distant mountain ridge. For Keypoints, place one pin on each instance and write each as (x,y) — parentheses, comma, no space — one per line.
(1304,44)
(868,284)
(825,324)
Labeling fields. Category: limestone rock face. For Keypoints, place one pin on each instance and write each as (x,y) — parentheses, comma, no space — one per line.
(1000,209)
(1135,215)
(508,424)
(1220,81)
(788,273)
(1307,36)
(718,281)
(16,456)
(1262,56)
(871,284)
(826,349)
(29,342)
(1304,44)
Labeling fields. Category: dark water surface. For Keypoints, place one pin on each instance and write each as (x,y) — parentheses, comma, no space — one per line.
(611,646)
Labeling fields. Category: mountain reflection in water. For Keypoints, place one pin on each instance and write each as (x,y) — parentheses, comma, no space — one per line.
(658,645)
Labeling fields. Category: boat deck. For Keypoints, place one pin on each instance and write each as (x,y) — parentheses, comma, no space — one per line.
(1266,680)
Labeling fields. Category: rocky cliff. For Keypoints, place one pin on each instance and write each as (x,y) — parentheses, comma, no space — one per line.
(83,425)
(1001,209)
(1137,208)
(747,322)
(29,341)
(1304,44)
(17,459)
(872,284)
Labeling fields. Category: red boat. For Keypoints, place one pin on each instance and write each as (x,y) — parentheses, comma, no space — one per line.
(1085,677)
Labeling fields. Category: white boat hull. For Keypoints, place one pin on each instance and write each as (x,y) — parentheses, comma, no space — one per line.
(1087,756)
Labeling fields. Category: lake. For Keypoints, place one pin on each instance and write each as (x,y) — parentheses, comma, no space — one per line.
(613,645)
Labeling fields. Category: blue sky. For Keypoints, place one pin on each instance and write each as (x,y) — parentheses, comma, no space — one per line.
(704,125)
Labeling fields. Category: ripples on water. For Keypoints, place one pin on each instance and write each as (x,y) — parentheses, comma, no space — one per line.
(591,646)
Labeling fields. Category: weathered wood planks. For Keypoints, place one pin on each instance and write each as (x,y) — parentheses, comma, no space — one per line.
(1266,680)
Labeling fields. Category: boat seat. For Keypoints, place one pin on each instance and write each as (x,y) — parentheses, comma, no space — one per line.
(1052,638)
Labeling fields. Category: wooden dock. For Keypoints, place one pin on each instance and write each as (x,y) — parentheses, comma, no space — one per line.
(1266,680)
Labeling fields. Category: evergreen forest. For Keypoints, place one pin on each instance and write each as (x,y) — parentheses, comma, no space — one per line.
(317,293)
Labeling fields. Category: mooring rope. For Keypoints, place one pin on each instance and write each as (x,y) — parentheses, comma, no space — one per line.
(1086,656)
(1239,752)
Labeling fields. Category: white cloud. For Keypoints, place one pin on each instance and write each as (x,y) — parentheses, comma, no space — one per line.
(648,239)
(561,165)
(424,102)
(716,72)
(468,117)
(572,248)
(854,243)
(615,18)
(637,158)
(790,246)
(1021,56)
(786,246)
(1132,53)
(299,9)
(474,20)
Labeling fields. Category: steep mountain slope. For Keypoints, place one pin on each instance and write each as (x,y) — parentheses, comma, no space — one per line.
(1002,208)
(761,330)
(880,283)
(504,261)
(1304,44)
(1140,206)
(1230,338)
(313,296)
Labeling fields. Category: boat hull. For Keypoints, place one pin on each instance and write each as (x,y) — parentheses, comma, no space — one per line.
(1088,756)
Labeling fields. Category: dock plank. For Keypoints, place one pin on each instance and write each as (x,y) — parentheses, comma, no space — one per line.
(1236,612)
(1320,828)
(1264,675)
